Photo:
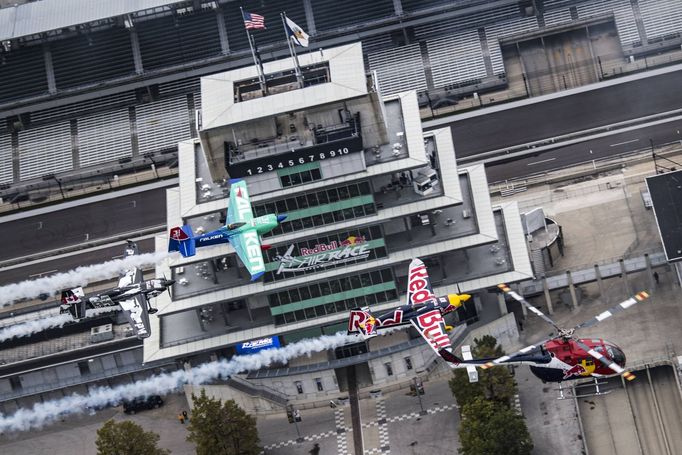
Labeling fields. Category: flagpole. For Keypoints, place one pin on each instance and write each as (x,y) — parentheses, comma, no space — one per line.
(261,76)
(292,51)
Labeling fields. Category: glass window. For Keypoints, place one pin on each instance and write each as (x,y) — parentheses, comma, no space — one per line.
(314,291)
(306,177)
(299,386)
(371,299)
(305,292)
(270,207)
(294,295)
(344,193)
(328,218)
(312,199)
(300,315)
(310,313)
(320,311)
(355,282)
(408,363)
(348,214)
(324,288)
(318,220)
(284,298)
(333,195)
(295,179)
(345,284)
(322,197)
(375,232)
(354,190)
(389,370)
(370,209)
(297,225)
(281,206)
(289,318)
(302,202)
(358,212)
(273,300)
(386,275)
(307,222)
(318,383)
(376,277)
(365,280)
(391,294)
(338,216)
(316,174)
(291,204)
(286,180)
(279,319)
(286,227)
(335,287)
(329,308)
(365,188)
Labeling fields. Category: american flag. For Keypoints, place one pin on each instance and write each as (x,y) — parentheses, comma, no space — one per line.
(253,21)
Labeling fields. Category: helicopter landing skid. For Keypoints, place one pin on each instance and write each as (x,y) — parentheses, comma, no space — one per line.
(571,393)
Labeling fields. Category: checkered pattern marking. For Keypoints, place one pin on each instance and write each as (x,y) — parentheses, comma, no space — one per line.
(341,429)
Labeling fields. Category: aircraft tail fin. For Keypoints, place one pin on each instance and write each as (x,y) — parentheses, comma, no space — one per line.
(73,302)
(181,239)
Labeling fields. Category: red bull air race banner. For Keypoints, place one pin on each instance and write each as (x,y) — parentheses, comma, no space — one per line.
(323,255)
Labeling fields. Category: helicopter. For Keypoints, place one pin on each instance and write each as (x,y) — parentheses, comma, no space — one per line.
(563,357)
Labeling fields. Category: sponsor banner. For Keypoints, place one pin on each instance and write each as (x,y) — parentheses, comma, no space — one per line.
(249,347)
(324,255)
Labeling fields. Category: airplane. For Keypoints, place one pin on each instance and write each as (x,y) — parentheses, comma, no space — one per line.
(562,357)
(423,310)
(132,294)
(241,229)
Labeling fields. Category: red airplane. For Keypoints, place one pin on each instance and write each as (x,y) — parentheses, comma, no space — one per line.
(563,357)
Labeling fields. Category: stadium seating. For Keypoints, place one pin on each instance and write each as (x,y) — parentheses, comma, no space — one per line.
(173,40)
(5,158)
(331,14)
(92,57)
(45,150)
(162,124)
(622,11)
(661,17)
(22,73)
(457,58)
(104,137)
(557,17)
(399,69)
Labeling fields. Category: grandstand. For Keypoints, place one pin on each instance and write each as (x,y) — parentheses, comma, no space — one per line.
(84,85)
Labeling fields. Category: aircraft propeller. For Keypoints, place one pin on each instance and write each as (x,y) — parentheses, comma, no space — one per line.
(567,334)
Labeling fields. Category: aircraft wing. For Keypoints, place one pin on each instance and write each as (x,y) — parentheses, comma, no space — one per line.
(419,289)
(135,311)
(131,276)
(247,246)
(431,327)
(239,210)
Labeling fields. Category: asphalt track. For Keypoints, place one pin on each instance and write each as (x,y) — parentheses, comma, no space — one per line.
(593,149)
(558,116)
(70,262)
(80,224)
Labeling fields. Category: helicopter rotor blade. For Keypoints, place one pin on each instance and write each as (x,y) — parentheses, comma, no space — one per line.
(504,288)
(640,296)
(610,364)
(509,358)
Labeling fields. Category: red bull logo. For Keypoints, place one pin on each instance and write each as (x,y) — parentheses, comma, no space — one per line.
(359,321)
(417,286)
(575,370)
(433,327)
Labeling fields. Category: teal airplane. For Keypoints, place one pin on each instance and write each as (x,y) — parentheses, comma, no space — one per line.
(241,229)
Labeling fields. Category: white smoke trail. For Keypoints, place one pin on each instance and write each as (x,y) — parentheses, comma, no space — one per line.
(28,328)
(44,413)
(80,276)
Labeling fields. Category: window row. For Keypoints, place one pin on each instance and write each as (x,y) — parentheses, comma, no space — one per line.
(313,199)
(300,178)
(336,307)
(322,219)
(315,290)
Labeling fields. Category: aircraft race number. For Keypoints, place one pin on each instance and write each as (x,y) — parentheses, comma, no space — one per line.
(300,160)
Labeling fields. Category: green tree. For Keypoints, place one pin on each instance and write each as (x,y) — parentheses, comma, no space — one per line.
(221,428)
(127,438)
(494,383)
(491,428)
